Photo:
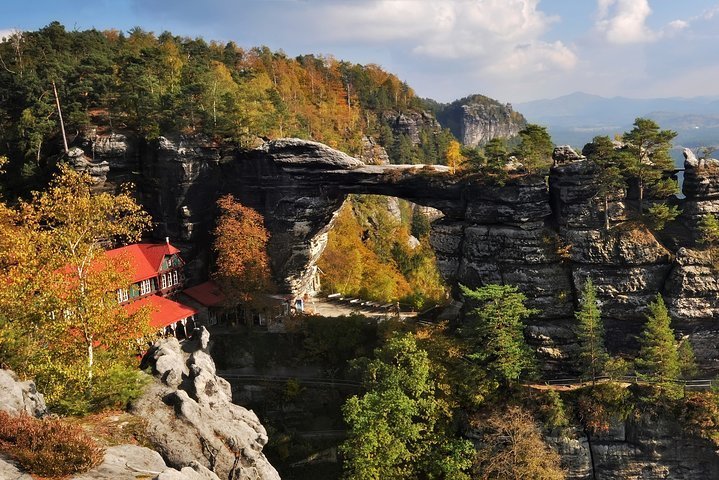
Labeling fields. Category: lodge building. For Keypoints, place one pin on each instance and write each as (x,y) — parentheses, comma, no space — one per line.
(157,276)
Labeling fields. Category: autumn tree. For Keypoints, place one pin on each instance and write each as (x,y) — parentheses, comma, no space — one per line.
(648,159)
(497,330)
(453,156)
(59,307)
(590,333)
(512,448)
(398,428)
(243,265)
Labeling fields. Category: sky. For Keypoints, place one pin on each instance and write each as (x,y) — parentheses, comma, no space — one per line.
(511,50)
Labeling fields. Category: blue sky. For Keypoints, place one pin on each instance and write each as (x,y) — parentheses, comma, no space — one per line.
(512,50)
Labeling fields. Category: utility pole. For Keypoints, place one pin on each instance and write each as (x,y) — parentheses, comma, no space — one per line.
(59,112)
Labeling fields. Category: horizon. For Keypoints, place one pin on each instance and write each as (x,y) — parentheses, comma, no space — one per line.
(529,49)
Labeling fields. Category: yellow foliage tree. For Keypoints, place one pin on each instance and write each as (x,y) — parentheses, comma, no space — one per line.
(454,155)
(58,304)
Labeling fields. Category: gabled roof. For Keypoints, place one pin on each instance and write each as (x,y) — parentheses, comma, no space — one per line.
(208,294)
(145,258)
(164,311)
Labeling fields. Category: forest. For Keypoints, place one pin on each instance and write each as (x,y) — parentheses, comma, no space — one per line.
(164,84)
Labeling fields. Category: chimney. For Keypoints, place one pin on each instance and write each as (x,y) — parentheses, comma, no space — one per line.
(167,240)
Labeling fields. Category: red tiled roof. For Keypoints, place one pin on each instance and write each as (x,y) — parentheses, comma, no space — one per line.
(163,310)
(208,293)
(145,258)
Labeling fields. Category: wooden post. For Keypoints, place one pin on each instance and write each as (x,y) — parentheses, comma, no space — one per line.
(59,112)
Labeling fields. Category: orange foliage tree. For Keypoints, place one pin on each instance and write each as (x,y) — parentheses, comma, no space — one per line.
(243,266)
(59,315)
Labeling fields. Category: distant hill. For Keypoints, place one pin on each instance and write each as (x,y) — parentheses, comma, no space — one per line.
(576,118)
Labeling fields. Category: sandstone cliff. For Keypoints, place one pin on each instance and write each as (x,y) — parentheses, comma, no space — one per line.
(191,418)
(546,238)
(476,119)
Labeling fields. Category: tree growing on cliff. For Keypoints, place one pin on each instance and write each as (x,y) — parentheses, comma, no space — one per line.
(535,148)
(497,331)
(243,265)
(453,156)
(590,333)
(709,229)
(648,159)
(658,357)
(398,429)
(609,160)
(513,448)
(61,320)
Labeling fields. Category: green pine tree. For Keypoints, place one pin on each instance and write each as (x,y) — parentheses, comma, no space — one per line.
(590,333)
(659,355)
(498,330)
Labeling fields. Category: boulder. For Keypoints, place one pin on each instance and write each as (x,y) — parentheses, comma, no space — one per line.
(194,419)
(18,397)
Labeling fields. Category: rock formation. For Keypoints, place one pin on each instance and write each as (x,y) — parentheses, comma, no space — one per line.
(18,397)
(644,448)
(191,416)
(546,238)
(411,123)
(477,119)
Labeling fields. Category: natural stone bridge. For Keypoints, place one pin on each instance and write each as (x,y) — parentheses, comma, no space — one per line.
(546,238)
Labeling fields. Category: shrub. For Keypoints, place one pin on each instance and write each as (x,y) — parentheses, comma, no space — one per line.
(600,404)
(700,415)
(48,447)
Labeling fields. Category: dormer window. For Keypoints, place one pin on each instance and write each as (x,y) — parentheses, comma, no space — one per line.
(122,295)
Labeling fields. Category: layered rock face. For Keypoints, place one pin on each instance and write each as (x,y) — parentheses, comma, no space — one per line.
(545,237)
(477,119)
(411,123)
(191,418)
(643,449)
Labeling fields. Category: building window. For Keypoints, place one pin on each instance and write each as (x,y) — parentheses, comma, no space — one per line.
(122,295)
(175,278)
(164,281)
(145,287)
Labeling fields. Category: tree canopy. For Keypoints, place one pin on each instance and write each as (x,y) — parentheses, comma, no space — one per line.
(497,330)
(61,322)
(168,84)
(243,265)
(398,429)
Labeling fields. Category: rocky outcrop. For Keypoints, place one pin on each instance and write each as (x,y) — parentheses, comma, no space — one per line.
(701,189)
(545,237)
(191,416)
(97,170)
(411,123)
(477,119)
(373,153)
(637,449)
(121,462)
(18,396)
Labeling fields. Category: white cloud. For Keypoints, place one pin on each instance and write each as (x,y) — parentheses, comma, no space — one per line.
(7,32)
(493,34)
(624,21)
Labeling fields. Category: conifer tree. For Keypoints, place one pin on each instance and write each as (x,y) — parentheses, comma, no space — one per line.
(498,333)
(659,356)
(590,333)
(649,159)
